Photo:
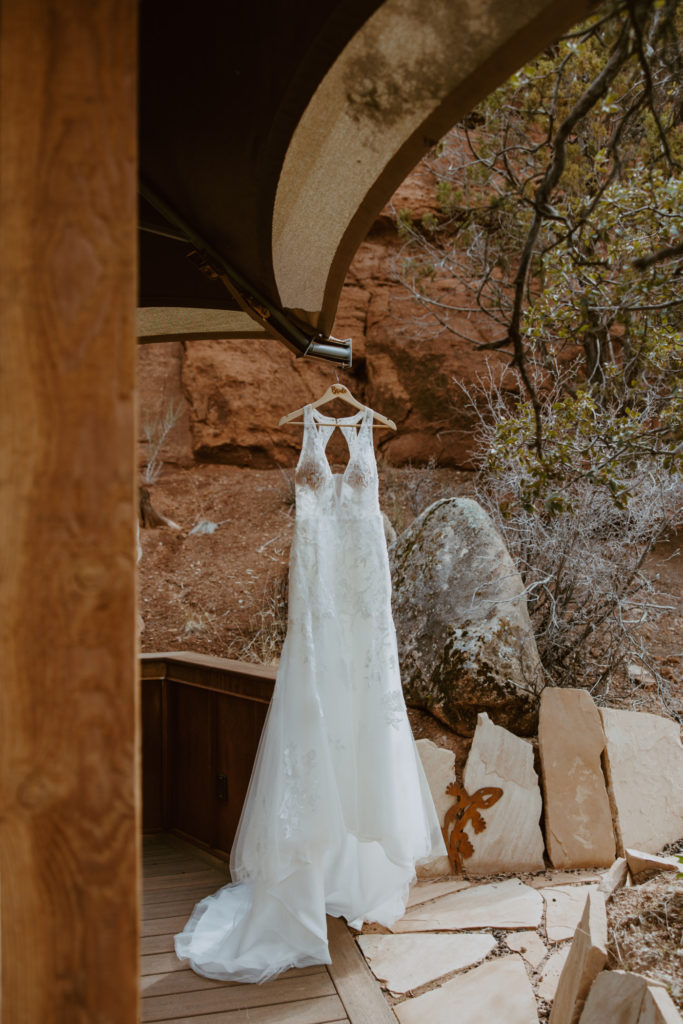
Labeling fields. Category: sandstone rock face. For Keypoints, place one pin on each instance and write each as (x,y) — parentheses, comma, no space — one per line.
(237,392)
(464,635)
(578,820)
(645,774)
(512,840)
(439,767)
(234,392)
(587,957)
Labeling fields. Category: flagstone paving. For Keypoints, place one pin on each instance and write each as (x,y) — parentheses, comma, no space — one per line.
(498,990)
(550,975)
(431,890)
(564,907)
(405,962)
(508,904)
(435,969)
(519,966)
(529,944)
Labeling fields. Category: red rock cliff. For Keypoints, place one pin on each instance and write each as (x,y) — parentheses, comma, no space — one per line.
(230,394)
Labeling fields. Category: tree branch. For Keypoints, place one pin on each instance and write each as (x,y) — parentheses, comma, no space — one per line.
(595,91)
(667,253)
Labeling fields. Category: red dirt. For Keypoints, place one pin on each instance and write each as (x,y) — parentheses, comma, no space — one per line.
(221,593)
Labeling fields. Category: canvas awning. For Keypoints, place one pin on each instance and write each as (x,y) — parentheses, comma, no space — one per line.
(273,133)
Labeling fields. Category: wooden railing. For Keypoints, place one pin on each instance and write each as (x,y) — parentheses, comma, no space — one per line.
(201,723)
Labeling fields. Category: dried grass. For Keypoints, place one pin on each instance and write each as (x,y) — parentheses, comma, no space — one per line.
(645,927)
(406,491)
(262,640)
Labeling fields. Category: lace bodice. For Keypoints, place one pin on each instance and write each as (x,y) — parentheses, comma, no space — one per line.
(319,491)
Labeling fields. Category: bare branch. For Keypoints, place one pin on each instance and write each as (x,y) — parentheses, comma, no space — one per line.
(667,253)
(649,86)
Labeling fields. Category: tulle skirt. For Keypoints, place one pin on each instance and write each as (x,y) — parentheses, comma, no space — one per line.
(338,811)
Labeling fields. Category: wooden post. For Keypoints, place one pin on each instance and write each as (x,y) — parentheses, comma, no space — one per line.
(68,675)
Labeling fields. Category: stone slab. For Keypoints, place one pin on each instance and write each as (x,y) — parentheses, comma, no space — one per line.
(587,957)
(439,767)
(550,974)
(512,840)
(658,1007)
(644,764)
(423,892)
(642,865)
(498,991)
(578,820)
(615,996)
(564,907)
(405,962)
(564,878)
(529,944)
(615,877)
(509,904)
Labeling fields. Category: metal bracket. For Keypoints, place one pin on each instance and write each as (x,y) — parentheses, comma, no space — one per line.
(209,260)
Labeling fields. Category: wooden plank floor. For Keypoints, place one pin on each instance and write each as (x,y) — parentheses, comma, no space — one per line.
(175,878)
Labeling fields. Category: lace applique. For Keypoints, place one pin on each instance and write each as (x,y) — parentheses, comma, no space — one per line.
(336,742)
(310,474)
(394,708)
(300,796)
(358,476)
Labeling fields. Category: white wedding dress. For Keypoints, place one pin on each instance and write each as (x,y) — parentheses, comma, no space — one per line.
(338,810)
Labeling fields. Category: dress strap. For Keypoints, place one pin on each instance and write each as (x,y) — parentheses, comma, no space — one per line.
(368,419)
(365,428)
(309,426)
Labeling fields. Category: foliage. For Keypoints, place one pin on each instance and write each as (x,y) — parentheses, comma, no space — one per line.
(558,237)
(560,213)
(406,491)
(579,542)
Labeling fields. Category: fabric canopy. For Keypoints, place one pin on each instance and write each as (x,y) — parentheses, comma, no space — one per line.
(272,133)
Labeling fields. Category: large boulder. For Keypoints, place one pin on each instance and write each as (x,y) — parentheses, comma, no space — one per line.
(464,637)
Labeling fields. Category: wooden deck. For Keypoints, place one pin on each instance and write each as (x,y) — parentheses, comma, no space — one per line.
(175,877)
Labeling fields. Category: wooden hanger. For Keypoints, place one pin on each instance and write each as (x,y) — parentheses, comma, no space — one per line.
(342,392)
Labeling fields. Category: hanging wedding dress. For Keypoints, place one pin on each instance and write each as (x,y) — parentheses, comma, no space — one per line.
(338,810)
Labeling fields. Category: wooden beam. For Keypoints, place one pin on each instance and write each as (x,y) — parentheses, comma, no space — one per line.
(358,990)
(68,692)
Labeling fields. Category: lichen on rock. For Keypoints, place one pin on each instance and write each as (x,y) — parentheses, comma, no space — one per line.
(465,640)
